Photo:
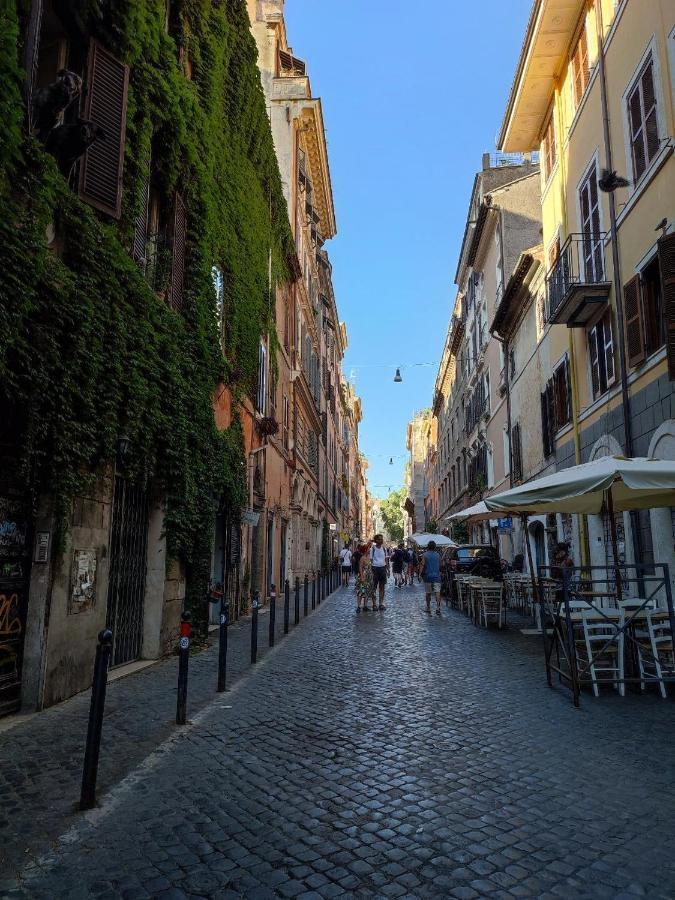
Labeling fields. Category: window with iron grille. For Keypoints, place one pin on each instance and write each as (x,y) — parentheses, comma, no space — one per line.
(643,120)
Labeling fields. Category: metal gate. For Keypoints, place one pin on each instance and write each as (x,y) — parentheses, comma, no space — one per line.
(14,574)
(128,558)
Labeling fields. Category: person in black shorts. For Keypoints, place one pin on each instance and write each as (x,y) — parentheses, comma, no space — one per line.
(380,565)
(398,563)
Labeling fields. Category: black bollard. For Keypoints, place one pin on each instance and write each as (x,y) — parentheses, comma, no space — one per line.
(314,592)
(273,615)
(317,584)
(93,746)
(254,626)
(287,605)
(297,601)
(183,661)
(305,596)
(222,645)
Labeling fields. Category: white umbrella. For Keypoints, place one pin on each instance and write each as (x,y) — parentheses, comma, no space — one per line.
(422,538)
(621,482)
(625,483)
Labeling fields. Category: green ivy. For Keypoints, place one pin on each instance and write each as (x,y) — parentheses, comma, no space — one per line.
(88,351)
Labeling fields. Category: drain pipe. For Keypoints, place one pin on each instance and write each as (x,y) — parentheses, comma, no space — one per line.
(616,264)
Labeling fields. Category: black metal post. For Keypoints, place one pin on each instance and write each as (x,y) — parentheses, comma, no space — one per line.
(297,601)
(222,644)
(314,592)
(254,627)
(183,661)
(273,615)
(287,605)
(305,596)
(93,746)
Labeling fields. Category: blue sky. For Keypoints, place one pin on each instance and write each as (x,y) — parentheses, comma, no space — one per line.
(412,94)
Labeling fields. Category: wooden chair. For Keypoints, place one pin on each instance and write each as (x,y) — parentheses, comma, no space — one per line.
(601,648)
(654,649)
(491,603)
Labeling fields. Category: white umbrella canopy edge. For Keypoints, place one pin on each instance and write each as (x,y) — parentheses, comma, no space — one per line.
(635,483)
(476,512)
(422,538)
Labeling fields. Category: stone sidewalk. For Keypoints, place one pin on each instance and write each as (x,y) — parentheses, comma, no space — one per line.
(41,757)
(382,755)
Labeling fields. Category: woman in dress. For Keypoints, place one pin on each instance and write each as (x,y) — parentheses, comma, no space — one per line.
(365,589)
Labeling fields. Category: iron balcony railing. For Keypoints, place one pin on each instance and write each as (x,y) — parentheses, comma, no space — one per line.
(580,263)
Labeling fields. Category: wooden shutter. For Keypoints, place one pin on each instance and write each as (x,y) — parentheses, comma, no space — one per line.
(176,298)
(632,314)
(545,428)
(106,105)
(516,452)
(666,247)
(30,58)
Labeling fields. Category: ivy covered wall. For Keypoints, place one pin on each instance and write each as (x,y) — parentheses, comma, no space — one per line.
(88,351)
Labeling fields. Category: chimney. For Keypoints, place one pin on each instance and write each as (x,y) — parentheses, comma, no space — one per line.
(486,161)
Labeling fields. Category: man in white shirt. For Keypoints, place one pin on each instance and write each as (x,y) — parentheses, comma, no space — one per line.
(346,563)
(380,563)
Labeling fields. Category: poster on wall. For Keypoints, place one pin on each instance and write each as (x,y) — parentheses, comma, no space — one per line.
(83,580)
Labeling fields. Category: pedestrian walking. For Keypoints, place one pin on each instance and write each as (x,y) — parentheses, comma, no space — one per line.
(430,572)
(346,564)
(399,563)
(356,557)
(411,566)
(380,566)
(365,590)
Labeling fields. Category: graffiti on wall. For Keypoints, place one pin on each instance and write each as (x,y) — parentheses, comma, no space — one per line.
(83,580)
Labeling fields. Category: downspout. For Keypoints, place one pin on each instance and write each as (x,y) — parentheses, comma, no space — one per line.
(616,265)
(583,532)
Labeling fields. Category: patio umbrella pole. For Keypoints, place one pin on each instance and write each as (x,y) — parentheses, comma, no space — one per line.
(537,597)
(615,545)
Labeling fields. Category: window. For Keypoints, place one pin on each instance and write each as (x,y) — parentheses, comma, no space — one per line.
(589,207)
(580,70)
(507,451)
(645,312)
(601,355)
(516,453)
(285,423)
(561,395)
(262,378)
(643,121)
(219,290)
(548,150)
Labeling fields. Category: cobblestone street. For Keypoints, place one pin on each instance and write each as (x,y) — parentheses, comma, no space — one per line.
(380,755)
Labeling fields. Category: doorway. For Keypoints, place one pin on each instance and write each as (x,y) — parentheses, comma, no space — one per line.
(128,559)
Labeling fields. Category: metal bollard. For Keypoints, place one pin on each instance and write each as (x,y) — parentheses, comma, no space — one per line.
(297,601)
(222,645)
(305,596)
(317,584)
(183,661)
(287,605)
(314,592)
(273,615)
(93,746)
(254,626)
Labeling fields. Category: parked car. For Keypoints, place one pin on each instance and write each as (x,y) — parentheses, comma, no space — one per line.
(472,559)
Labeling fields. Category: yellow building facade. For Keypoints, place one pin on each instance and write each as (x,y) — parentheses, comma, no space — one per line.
(594,93)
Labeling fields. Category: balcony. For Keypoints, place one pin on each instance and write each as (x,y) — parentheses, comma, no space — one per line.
(577,285)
